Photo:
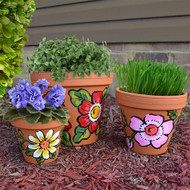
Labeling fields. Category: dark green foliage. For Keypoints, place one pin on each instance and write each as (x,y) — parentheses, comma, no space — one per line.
(33,116)
(151,78)
(61,56)
(11,115)
(14,19)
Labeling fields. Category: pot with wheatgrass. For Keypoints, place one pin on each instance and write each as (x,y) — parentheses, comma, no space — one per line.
(151,96)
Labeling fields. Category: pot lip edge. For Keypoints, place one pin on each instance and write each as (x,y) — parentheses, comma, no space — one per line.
(151,96)
(32,127)
(49,73)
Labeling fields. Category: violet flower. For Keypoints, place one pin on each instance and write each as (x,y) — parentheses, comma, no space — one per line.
(33,94)
(12,91)
(39,105)
(42,84)
(56,96)
(18,100)
(22,85)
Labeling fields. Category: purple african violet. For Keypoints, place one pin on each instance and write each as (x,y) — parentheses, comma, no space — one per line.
(42,84)
(18,100)
(39,105)
(22,85)
(56,96)
(23,94)
(12,91)
(33,94)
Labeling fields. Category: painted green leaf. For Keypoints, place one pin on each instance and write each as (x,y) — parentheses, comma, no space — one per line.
(125,119)
(172,114)
(98,130)
(77,96)
(40,160)
(29,152)
(104,93)
(66,138)
(23,112)
(20,133)
(11,115)
(52,155)
(22,145)
(33,118)
(81,133)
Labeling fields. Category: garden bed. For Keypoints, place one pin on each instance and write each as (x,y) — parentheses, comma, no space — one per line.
(106,164)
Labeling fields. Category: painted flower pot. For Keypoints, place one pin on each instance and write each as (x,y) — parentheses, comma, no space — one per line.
(39,143)
(149,121)
(84,99)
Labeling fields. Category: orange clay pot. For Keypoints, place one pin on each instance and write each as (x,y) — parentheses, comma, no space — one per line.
(39,143)
(84,99)
(149,120)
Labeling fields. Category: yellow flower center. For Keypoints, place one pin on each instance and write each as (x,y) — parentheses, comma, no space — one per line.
(151,130)
(44,144)
(95,112)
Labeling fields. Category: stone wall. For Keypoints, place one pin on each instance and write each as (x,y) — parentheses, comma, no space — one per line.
(177,52)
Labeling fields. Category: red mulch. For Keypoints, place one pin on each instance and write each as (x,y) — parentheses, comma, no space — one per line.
(106,164)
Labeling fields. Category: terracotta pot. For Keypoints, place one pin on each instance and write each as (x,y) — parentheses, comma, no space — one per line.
(85,100)
(39,143)
(149,120)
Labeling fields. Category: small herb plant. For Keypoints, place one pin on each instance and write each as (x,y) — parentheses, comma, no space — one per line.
(151,78)
(62,56)
(14,19)
(29,103)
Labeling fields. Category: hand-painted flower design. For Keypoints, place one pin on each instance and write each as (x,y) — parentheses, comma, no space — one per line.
(129,142)
(44,145)
(152,131)
(67,127)
(91,112)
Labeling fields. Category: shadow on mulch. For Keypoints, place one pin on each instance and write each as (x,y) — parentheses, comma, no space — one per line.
(106,164)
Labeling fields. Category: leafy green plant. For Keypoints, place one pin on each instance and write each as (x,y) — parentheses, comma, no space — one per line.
(151,78)
(32,116)
(62,56)
(14,19)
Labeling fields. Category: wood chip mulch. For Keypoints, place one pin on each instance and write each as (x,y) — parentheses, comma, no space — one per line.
(106,164)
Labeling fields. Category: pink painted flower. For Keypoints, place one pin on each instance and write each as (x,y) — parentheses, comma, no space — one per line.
(152,131)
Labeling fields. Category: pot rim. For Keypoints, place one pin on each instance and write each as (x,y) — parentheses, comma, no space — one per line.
(22,124)
(92,80)
(151,102)
(151,96)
